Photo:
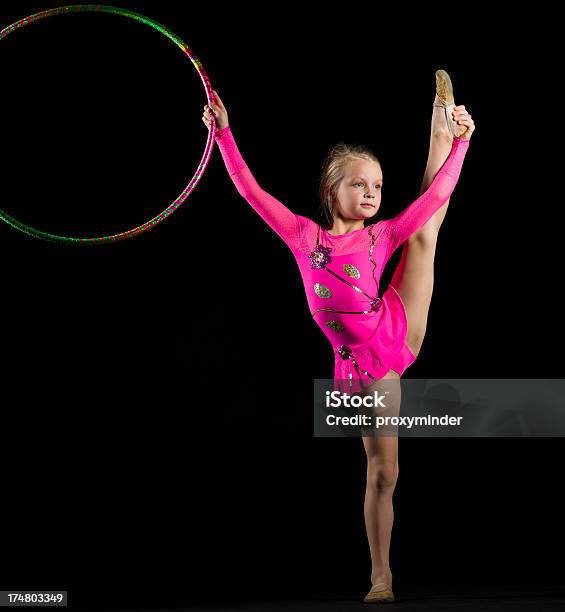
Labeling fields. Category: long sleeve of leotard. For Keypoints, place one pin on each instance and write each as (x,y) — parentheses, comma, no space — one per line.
(416,214)
(283,221)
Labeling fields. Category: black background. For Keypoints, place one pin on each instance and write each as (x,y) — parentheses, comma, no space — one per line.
(157,441)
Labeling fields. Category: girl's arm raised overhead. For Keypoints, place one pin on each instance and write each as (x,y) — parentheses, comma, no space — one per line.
(416,214)
(277,216)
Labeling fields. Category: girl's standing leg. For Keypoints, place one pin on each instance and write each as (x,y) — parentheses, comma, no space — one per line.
(382,474)
(413,278)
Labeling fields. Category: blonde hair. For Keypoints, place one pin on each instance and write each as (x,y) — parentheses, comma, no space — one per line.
(333,171)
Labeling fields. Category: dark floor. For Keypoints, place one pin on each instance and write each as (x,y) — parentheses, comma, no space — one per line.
(483,598)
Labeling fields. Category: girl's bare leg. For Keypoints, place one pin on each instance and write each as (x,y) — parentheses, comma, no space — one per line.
(382,474)
(414,276)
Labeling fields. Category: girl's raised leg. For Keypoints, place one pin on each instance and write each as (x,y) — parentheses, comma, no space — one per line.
(413,278)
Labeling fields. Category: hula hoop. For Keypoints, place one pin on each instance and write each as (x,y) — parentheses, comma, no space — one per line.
(101,8)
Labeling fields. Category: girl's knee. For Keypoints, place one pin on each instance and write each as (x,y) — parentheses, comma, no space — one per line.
(382,475)
(426,236)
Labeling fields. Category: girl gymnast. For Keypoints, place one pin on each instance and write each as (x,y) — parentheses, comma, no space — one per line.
(374,338)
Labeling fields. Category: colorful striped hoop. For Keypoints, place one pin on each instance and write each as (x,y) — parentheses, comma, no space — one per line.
(100,8)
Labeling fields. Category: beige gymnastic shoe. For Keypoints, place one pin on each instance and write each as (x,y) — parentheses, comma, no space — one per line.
(383,595)
(444,88)
(444,91)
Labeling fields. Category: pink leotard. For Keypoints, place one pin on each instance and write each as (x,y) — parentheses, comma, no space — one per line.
(341,273)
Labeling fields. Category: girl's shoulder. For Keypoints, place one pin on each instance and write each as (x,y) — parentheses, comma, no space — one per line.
(305,224)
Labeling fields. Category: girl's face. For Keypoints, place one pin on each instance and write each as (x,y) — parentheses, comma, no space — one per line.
(359,193)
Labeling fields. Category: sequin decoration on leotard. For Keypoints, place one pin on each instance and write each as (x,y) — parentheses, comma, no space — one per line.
(351,270)
(322,291)
(320,256)
(346,353)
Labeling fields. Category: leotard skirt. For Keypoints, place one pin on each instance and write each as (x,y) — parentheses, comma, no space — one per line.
(358,365)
